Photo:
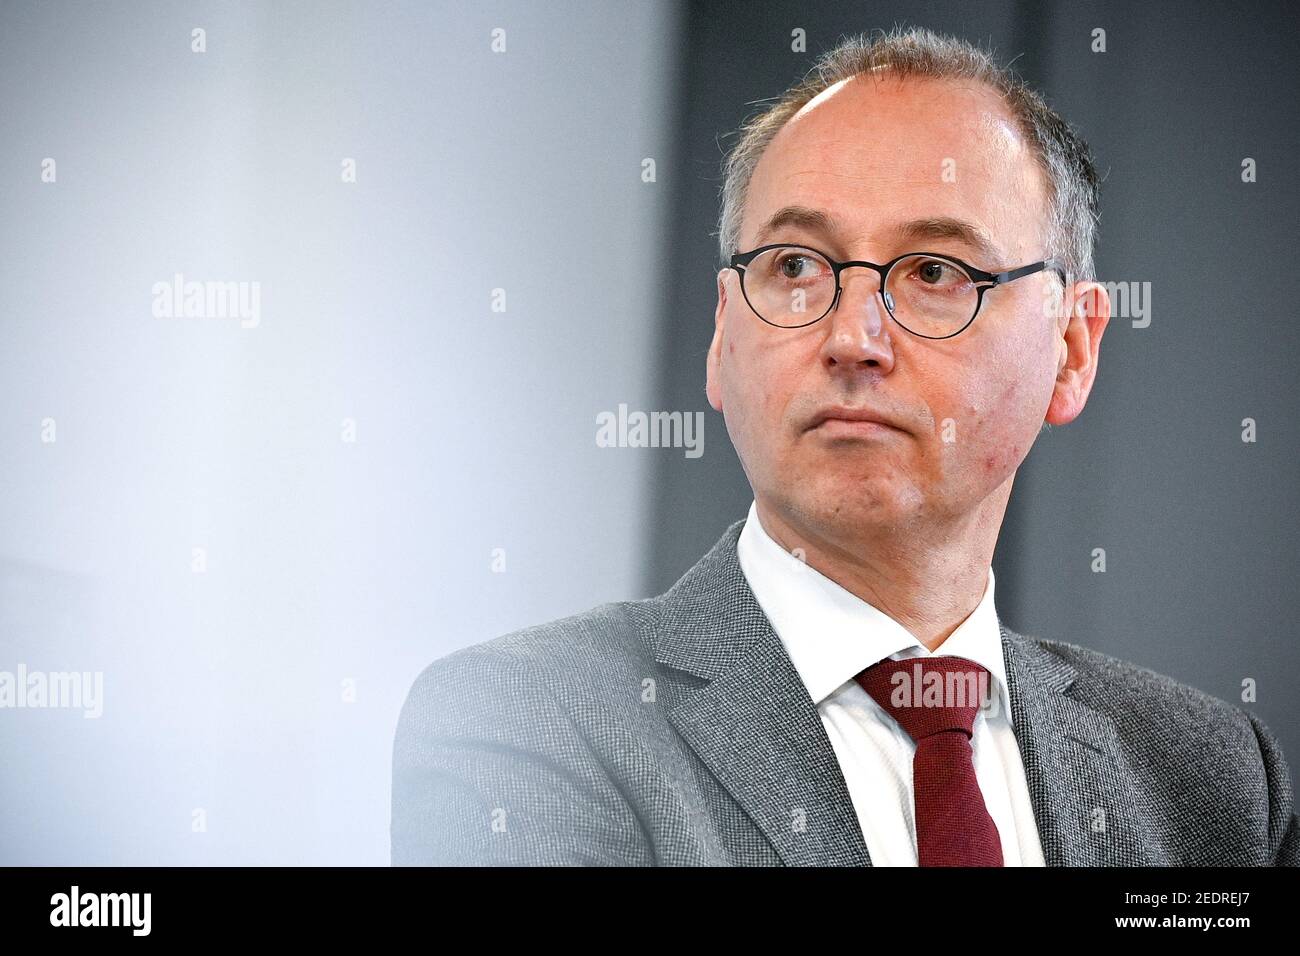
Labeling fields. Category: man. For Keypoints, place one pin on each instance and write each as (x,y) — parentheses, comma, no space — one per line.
(908,301)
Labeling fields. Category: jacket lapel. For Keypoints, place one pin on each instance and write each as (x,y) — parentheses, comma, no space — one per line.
(1081,786)
(753,723)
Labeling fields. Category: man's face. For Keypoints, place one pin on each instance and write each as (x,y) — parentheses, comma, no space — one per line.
(872,154)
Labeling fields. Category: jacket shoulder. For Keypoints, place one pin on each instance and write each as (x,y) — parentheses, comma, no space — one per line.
(1196,746)
(492,757)
(560,657)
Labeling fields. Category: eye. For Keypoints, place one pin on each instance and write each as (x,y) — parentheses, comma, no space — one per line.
(794,265)
(936,272)
(797,265)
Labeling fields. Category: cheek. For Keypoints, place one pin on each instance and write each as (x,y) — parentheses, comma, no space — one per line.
(1002,461)
(745,401)
(989,417)
(756,374)
(1008,421)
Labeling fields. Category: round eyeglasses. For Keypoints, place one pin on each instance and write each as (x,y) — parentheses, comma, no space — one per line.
(929,294)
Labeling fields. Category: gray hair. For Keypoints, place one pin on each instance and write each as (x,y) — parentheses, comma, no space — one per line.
(1061,153)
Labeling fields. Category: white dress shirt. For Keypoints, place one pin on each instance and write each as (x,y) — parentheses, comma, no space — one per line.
(831,636)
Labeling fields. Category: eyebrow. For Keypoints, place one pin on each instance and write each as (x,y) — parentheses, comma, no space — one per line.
(935,227)
(798,217)
(958,230)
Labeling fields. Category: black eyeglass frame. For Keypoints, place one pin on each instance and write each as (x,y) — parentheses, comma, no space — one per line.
(741,260)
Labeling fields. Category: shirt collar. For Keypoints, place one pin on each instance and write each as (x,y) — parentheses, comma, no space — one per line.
(832,635)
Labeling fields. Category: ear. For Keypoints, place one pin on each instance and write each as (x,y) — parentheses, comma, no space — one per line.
(1080,343)
(713,369)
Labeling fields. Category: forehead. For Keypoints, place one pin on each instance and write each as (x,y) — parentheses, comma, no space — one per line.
(875,152)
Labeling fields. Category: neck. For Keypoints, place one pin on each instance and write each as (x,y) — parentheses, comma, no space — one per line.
(927,579)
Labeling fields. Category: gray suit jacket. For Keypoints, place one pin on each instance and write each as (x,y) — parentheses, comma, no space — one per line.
(676,731)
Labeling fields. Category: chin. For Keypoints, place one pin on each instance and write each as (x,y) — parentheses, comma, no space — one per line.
(850,510)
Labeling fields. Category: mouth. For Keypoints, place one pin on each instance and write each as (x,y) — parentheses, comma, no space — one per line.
(852,422)
(844,428)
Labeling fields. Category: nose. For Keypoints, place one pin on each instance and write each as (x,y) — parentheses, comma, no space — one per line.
(859,335)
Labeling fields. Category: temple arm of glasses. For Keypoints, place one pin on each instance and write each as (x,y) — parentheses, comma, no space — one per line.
(998,278)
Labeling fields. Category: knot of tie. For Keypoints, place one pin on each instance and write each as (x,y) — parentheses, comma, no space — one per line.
(930,695)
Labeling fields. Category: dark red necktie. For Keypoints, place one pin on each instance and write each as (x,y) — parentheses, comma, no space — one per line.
(935,700)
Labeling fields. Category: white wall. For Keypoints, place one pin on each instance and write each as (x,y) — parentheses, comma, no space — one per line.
(326,560)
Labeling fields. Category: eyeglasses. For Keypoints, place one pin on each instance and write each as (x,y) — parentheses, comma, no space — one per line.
(930,295)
